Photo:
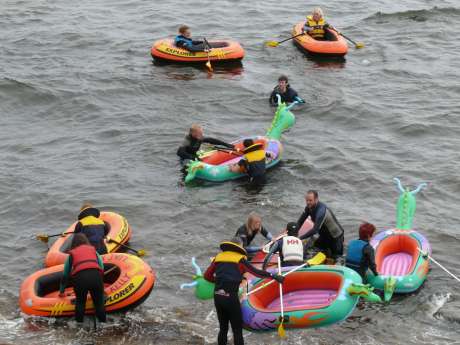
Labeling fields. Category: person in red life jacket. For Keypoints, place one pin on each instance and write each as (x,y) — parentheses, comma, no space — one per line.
(290,248)
(93,227)
(85,267)
(226,271)
(360,254)
(326,225)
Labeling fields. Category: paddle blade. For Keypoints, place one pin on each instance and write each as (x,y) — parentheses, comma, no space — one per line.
(281,331)
(359,45)
(208,65)
(318,259)
(272,44)
(141,252)
(43,237)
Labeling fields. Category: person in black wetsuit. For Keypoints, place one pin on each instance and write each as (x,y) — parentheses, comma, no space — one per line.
(93,227)
(249,230)
(325,224)
(360,254)
(287,93)
(193,141)
(184,40)
(226,271)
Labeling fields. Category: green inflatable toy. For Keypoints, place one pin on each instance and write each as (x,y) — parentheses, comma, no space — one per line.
(203,289)
(405,208)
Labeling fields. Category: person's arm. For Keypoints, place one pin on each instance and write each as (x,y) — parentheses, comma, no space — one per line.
(265,233)
(255,271)
(66,274)
(209,273)
(273,98)
(273,250)
(320,215)
(106,228)
(214,141)
(78,227)
(369,255)
(100,262)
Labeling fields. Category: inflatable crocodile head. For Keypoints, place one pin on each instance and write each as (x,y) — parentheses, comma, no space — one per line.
(282,121)
(192,168)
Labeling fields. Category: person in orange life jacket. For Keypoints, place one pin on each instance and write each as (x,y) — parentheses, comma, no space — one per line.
(184,40)
(286,92)
(226,271)
(316,26)
(290,248)
(253,162)
(360,254)
(85,267)
(326,225)
(93,227)
(249,230)
(193,141)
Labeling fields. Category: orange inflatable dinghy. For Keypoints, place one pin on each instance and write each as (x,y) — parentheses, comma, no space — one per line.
(128,282)
(335,47)
(119,232)
(222,51)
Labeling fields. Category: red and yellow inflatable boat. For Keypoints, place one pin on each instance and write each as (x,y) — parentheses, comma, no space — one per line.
(333,48)
(128,282)
(119,231)
(222,51)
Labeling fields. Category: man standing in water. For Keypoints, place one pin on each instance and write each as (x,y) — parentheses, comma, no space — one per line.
(325,224)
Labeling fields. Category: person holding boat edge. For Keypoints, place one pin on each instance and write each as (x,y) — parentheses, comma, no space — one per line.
(93,227)
(226,271)
(360,254)
(249,230)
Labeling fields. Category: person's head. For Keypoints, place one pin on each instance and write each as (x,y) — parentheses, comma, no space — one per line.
(196,131)
(184,30)
(234,245)
(85,206)
(283,82)
(292,229)
(317,14)
(311,198)
(366,231)
(78,240)
(254,222)
(248,142)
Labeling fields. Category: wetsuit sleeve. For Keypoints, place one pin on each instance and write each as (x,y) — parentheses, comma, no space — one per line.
(77,228)
(106,228)
(272,251)
(251,269)
(369,256)
(273,98)
(100,262)
(292,95)
(265,233)
(65,277)
(183,153)
(214,141)
(320,215)
(209,273)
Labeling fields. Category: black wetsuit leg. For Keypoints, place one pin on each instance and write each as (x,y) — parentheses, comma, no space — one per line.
(85,281)
(196,47)
(229,310)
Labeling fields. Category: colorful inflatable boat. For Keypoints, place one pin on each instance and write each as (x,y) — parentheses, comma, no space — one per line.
(335,47)
(401,253)
(222,51)
(215,165)
(128,282)
(119,231)
(313,297)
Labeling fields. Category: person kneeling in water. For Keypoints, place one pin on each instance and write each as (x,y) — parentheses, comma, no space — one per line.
(253,162)
(184,40)
(227,270)
(290,248)
(286,92)
(249,230)
(360,254)
(193,141)
(85,267)
(93,227)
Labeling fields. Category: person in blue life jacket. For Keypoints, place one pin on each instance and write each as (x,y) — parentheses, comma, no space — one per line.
(248,231)
(93,227)
(253,162)
(286,92)
(85,269)
(326,225)
(226,271)
(360,254)
(317,27)
(184,40)
(289,248)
